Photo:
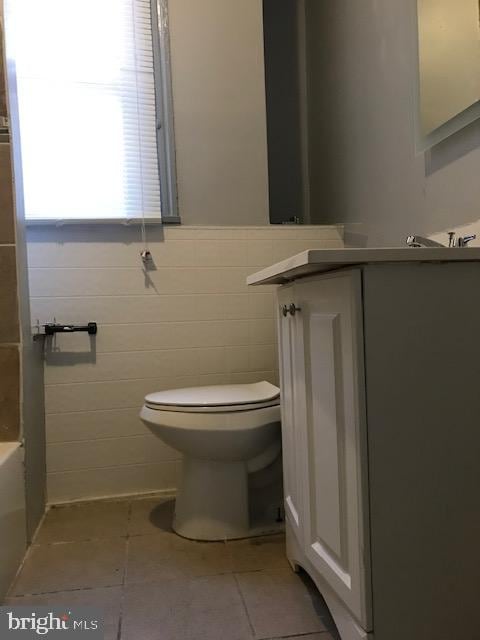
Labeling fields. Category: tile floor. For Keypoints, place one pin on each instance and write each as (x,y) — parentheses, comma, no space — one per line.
(151,584)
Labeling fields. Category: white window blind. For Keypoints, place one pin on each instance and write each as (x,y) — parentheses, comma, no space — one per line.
(86,96)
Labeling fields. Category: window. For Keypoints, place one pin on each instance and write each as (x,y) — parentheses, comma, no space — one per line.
(94,108)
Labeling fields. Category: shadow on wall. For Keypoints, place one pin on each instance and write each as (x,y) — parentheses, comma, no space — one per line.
(55,356)
(453,148)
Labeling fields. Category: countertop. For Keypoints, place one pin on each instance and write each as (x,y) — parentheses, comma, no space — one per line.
(322,260)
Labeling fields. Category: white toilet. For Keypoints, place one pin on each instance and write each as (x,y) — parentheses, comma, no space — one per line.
(226,433)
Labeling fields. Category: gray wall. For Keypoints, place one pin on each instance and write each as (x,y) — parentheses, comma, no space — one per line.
(22,412)
(32,377)
(364,166)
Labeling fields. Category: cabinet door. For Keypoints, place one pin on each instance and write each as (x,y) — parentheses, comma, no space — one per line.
(330,347)
(293,413)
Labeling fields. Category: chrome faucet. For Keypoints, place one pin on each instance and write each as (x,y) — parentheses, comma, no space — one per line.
(420,241)
(463,242)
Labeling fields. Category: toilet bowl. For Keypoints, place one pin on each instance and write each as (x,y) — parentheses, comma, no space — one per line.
(225,433)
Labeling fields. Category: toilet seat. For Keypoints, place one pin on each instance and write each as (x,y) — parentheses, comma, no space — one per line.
(215,399)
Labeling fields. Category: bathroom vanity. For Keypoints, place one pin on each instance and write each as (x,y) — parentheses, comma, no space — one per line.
(380,383)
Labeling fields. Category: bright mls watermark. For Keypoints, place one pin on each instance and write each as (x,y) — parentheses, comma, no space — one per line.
(84,623)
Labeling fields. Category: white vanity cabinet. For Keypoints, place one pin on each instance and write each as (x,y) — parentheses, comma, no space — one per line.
(380,372)
(320,344)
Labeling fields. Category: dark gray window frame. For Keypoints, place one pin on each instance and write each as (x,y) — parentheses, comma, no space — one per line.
(164,108)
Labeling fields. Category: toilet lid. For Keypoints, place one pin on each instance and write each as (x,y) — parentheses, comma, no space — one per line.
(228,397)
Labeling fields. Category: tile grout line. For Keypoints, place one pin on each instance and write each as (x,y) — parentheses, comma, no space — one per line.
(10,593)
(74,590)
(244,604)
(193,347)
(124,578)
(154,296)
(148,582)
(28,551)
(199,375)
(58,543)
(309,634)
(130,464)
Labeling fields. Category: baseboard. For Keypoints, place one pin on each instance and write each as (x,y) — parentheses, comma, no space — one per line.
(163,493)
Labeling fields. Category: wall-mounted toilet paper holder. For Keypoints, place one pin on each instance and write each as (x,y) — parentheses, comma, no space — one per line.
(51,328)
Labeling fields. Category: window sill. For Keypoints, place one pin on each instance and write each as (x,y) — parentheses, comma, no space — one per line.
(126,222)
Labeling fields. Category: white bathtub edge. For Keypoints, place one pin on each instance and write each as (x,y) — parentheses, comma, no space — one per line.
(13,537)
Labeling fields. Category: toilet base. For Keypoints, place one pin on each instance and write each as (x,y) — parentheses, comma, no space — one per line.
(212,502)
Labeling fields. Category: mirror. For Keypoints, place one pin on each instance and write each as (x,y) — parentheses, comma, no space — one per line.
(449,61)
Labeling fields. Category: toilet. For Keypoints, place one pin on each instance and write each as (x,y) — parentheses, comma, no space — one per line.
(228,435)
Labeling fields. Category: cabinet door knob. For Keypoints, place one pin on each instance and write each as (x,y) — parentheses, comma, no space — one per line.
(292,309)
(285,310)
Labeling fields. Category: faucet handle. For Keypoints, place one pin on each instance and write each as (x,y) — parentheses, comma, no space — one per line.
(451,238)
(463,242)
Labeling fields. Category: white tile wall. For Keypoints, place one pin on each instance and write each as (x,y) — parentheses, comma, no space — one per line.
(192,321)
